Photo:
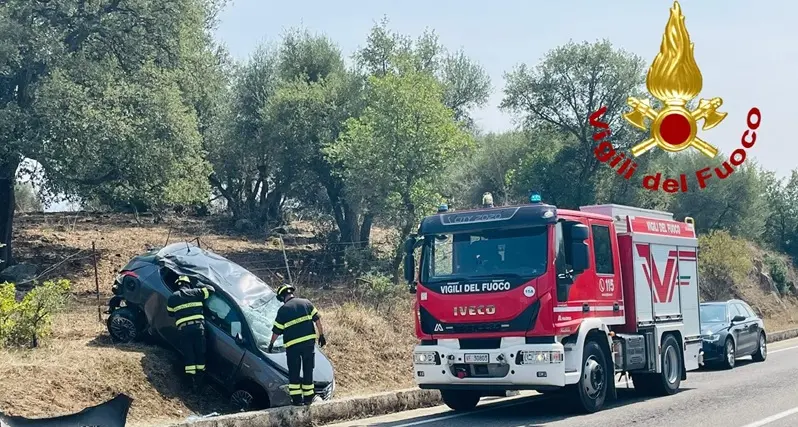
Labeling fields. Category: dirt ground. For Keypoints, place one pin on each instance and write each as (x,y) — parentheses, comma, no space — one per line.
(78,366)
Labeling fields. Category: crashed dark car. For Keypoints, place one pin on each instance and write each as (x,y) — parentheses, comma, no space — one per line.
(238,322)
(731,330)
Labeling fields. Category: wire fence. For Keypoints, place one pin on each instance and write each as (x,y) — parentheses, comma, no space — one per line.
(280,259)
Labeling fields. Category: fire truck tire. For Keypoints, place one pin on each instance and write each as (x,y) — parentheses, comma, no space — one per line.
(591,390)
(668,381)
(460,400)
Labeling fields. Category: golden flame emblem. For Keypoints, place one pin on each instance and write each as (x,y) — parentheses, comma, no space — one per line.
(674,79)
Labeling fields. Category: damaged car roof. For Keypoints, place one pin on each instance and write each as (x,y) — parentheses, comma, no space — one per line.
(236,281)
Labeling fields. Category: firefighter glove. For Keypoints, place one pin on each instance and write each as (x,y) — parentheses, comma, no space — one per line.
(322,340)
(270,349)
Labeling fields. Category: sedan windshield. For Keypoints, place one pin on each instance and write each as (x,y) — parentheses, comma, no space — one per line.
(518,252)
(260,315)
(713,313)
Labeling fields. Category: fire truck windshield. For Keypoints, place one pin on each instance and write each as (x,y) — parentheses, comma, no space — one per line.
(516,252)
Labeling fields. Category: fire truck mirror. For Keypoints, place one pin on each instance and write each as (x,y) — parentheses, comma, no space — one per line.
(410,263)
(579,258)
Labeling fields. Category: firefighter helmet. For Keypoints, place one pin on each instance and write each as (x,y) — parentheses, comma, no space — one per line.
(283,290)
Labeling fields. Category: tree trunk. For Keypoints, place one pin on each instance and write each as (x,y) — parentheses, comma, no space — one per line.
(8,172)
(345,215)
(365,229)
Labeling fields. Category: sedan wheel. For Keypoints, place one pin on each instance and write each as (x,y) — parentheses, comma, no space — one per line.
(729,358)
(242,400)
(762,350)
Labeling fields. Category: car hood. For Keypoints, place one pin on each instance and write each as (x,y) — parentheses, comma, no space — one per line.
(713,328)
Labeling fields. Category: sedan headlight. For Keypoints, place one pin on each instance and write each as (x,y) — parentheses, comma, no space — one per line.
(426,358)
(711,338)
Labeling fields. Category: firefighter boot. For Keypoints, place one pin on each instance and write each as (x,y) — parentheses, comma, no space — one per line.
(297,400)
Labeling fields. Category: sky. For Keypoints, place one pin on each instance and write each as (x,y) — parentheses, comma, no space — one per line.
(747,52)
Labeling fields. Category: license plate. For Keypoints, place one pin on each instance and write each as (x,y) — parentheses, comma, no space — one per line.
(477,358)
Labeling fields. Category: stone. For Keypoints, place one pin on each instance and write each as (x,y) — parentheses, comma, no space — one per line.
(19,273)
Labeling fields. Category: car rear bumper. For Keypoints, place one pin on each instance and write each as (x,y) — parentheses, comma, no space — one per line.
(506,368)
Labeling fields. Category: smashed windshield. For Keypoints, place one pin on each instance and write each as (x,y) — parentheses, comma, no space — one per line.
(260,315)
(522,252)
(713,313)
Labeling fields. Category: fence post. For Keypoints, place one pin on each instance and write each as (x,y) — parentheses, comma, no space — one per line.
(96,281)
(285,258)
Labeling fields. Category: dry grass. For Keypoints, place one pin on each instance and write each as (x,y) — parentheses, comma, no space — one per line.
(78,366)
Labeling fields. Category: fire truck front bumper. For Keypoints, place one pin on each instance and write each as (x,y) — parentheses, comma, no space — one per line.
(526,366)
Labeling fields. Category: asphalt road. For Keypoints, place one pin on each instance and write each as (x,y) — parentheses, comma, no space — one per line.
(750,395)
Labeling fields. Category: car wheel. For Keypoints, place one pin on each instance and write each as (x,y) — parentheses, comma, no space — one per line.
(123,325)
(248,399)
(761,351)
(460,400)
(729,357)
(591,390)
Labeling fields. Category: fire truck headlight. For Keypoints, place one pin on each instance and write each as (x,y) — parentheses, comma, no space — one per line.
(426,358)
(538,357)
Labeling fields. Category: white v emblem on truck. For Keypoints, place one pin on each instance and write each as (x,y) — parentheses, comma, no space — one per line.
(438,328)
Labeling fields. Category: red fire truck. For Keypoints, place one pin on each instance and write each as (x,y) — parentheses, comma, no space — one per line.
(538,298)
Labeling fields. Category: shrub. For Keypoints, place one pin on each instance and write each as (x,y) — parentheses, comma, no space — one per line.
(724,260)
(778,272)
(25,322)
(378,290)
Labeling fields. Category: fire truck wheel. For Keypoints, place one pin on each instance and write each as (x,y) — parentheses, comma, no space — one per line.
(669,380)
(461,400)
(591,389)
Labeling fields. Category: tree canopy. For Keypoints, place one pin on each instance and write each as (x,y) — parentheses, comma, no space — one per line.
(133,103)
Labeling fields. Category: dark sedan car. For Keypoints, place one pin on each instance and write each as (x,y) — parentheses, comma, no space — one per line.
(731,330)
(238,322)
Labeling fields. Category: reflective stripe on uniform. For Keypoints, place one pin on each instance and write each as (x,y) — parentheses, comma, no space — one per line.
(182,320)
(279,325)
(293,389)
(313,313)
(200,367)
(191,369)
(184,306)
(205,293)
(183,279)
(296,321)
(300,339)
(308,392)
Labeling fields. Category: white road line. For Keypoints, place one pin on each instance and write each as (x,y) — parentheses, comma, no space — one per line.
(513,402)
(522,400)
(783,349)
(772,418)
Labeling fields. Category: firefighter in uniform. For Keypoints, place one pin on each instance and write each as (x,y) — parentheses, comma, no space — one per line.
(295,320)
(186,306)
(487,200)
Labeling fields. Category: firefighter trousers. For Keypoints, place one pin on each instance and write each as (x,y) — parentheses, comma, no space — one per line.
(192,345)
(300,359)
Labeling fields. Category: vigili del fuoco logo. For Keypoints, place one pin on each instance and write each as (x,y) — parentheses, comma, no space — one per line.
(674,79)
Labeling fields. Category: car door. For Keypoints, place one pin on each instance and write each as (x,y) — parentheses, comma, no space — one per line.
(737,329)
(742,330)
(752,327)
(224,354)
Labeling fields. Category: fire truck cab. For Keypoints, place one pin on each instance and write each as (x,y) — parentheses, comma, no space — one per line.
(533,297)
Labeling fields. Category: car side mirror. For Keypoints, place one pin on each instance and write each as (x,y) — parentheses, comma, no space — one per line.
(235,331)
(738,318)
